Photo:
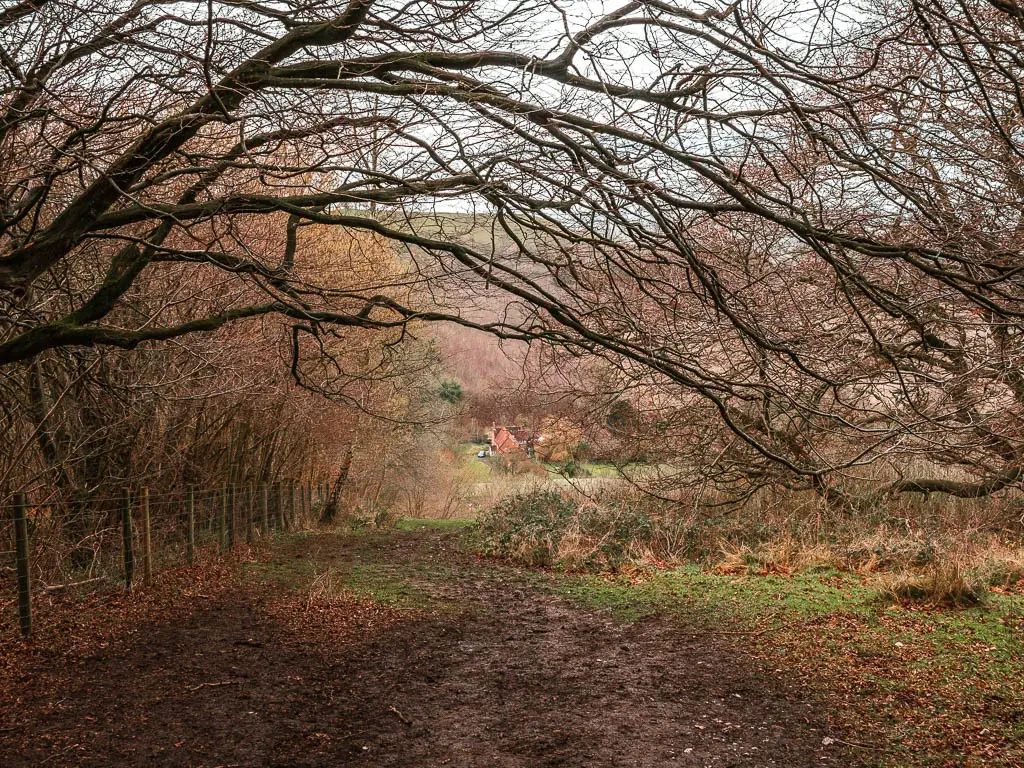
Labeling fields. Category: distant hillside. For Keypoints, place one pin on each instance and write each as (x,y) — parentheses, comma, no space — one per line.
(481,231)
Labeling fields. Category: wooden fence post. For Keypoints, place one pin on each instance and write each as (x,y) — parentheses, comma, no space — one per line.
(127,545)
(147,542)
(232,499)
(280,505)
(286,488)
(190,526)
(223,519)
(292,522)
(22,556)
(250,502)
(264,509)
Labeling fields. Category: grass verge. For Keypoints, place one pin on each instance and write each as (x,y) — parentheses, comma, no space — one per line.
(907,686)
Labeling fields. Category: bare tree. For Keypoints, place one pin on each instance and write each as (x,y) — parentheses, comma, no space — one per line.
(801,225)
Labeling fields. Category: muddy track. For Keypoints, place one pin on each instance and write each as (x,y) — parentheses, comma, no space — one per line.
(499,674)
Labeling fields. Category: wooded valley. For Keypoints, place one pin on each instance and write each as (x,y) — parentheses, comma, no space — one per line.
(447,353)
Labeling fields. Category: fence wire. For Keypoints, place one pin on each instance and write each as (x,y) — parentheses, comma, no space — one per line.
(132,534)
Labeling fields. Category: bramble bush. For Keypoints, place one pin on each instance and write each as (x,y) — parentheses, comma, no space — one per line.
(542,527)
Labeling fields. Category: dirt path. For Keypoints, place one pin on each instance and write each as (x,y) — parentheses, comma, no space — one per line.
(496,673)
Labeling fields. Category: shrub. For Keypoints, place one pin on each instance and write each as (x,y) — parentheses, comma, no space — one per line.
(542,527)
(941,585)
(526,526)
(385,518)
(1001,568)
(616,526)
(573,469)
(783,555)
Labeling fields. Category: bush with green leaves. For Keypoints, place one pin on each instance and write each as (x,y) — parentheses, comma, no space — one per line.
(573,469)
(526,526)
(450,391)
(542,527)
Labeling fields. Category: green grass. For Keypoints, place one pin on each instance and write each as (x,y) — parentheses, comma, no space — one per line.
(369,580)
(430,523)
(754,601)
(292,573)
(598,469)
(390,584)
(736,599)
(589,469)
(475,470)
(384,585)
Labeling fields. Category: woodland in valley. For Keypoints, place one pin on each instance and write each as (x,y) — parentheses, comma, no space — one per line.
(547,382)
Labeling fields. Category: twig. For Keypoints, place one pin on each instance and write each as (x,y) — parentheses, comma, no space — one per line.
(69,585)
(61,753)
(400,716)
(193,689)
(850,743)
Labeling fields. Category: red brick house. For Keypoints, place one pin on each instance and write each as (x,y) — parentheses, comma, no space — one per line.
(510,440)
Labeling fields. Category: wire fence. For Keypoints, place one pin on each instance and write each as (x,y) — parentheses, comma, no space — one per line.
(131,535)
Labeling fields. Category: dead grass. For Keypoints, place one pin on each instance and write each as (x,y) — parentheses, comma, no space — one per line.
(786,555)
(926,551)
(943,584)
(1001,567)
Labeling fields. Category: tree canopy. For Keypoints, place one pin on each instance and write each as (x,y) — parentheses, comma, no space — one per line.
(788,235)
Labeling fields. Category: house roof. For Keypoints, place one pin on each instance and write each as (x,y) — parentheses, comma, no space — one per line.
(505,441)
